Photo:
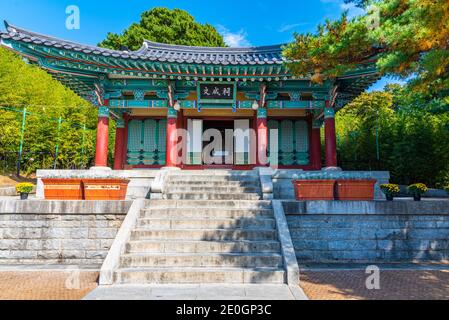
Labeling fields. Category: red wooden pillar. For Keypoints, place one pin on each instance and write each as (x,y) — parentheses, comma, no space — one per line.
(172,139)
(262,137)
(316,145)
(120,134)
(330,137)
(101,153)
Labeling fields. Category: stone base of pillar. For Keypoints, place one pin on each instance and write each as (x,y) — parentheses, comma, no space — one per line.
(101,169)
(171,169)
(332,169)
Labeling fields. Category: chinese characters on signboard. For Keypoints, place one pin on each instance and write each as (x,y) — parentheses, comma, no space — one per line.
(217,91)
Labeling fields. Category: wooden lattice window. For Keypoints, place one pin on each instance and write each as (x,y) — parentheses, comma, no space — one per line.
(147,142)
(293,142)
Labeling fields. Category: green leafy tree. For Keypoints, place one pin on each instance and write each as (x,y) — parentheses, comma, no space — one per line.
(408,37)
(23,85)
(413,138)
(165,26)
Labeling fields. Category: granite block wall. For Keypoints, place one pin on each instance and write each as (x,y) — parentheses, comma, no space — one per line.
(370,237)
(82,234)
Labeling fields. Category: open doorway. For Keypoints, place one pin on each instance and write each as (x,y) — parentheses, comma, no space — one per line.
(218,147)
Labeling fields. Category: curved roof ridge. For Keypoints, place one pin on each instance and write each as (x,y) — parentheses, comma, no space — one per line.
(176,47)
(14,29)
(153,51)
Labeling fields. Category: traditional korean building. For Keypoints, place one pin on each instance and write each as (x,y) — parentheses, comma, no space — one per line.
(153,92)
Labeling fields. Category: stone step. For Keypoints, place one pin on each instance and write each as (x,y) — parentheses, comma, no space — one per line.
(217,189)
(204,234)
(199,275)
(216,204)
(212,178)
(192,260)
(159,246)
(205,213)
(179,223)
(214,172)
(212,196)
(208,184)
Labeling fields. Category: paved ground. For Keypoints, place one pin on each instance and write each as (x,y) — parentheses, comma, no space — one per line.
(197,292)
(394,285)
(421,283)
(45,285)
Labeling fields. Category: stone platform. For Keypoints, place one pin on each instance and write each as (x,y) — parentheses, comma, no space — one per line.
(265,292)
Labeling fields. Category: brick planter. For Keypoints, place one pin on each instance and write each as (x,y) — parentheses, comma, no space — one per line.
(314,189)
(105,189)
(355,190)
(63,189)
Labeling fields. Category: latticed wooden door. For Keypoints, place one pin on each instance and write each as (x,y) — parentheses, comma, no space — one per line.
(292,143)
(147,142)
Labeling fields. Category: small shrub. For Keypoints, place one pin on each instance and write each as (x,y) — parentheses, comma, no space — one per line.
(24,187)
(390,189)
(417,188)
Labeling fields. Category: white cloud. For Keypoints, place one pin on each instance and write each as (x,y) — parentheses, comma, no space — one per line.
(234,39)
(288,27)
(352,9)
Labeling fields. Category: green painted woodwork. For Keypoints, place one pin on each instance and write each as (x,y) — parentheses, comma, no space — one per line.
(293,142)
(147,142)
(187,104)
(120,123)
(317,123)
(135,104)
(172,113)
(262,113)
(139,95)
(295,104)
(81,70)
(103,112)
(329,113)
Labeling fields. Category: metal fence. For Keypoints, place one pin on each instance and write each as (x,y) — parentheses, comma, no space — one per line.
(9,162)
(24,160)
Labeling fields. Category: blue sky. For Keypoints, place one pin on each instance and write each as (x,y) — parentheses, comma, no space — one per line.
(242,22)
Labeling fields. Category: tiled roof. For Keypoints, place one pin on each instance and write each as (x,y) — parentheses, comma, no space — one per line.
(152,51)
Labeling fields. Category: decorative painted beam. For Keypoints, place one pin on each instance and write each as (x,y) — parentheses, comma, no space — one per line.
(296,104)
(135,104)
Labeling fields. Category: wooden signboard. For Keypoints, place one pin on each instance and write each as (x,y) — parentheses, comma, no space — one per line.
(217,92)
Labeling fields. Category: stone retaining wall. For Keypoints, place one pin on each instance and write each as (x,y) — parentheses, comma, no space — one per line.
(403,231)
(59,232)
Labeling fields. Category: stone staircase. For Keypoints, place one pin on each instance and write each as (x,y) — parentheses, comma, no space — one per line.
(211,227)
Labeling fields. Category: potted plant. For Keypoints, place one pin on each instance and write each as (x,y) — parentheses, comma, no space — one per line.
(390,190)
(24,189)
(417,190)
